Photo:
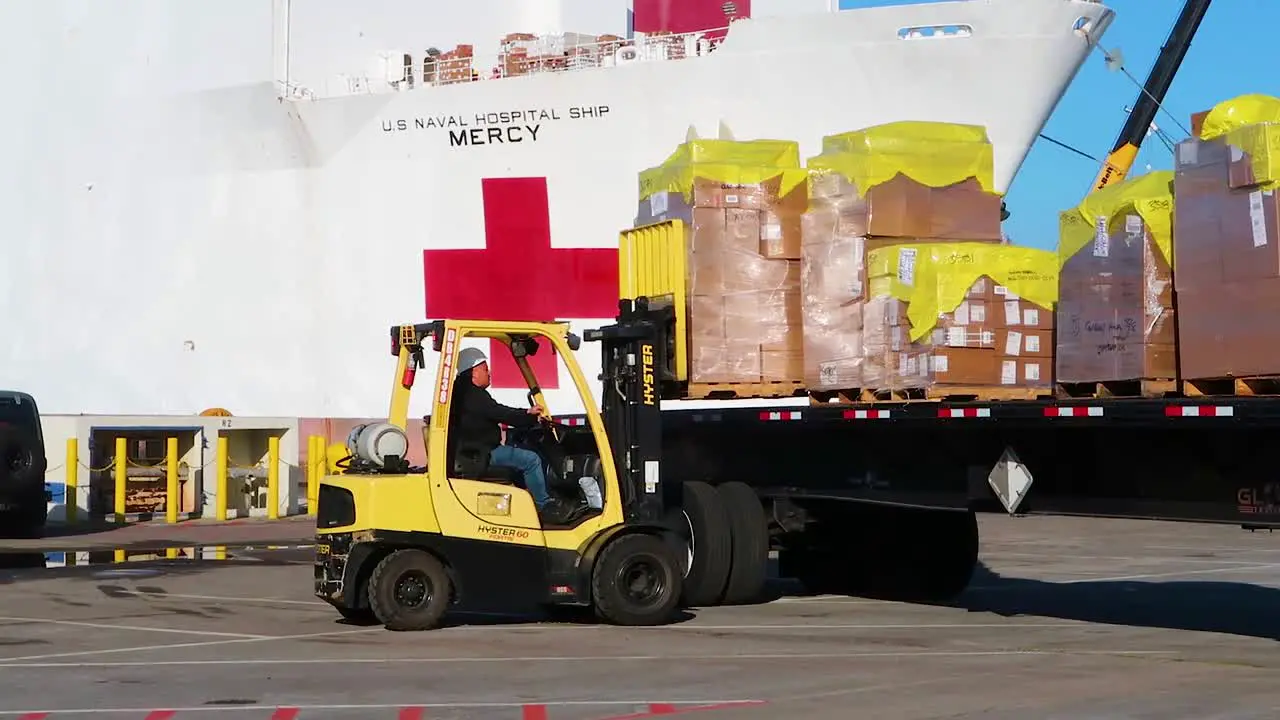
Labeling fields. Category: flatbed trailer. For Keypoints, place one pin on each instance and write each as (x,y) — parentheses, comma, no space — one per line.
(874,499)
(876,487)
(1202,459)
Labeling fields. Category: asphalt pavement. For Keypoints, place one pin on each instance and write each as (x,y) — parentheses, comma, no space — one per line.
(1068,618)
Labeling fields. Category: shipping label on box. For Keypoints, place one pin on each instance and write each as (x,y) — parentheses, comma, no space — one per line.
(1101,239)
(1009,372)
(1025,342)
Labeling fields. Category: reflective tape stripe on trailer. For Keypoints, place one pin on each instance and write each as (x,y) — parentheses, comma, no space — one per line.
(575,421)
(867,414)
(964,412)
(1199,411)
(1073,412)
(781,415)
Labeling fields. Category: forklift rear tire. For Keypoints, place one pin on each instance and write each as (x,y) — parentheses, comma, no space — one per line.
(749,532)
(409,590)
(712,545)
(636,581)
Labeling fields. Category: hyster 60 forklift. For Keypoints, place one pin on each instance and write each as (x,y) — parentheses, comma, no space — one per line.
(403,544)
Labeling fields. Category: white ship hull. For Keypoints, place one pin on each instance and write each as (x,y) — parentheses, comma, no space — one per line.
(168,252)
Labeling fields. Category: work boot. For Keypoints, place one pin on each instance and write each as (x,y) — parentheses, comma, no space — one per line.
(555,512)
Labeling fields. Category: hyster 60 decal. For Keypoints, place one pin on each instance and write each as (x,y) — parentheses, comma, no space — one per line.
(494,532)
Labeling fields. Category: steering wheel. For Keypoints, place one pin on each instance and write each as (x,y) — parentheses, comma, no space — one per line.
(545,419)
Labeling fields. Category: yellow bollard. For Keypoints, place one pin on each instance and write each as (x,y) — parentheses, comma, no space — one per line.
(220,481)
(310,470)
(273,477)
(122,476)
(70,491)
(171,499)
(315,466)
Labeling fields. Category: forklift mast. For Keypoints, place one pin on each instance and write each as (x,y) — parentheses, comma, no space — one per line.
(635,366)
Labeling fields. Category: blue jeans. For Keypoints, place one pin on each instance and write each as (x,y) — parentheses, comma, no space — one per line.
(527,462)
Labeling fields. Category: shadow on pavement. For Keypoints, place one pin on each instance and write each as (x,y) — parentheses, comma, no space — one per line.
(478,618)
(1234,608)
(1223,607)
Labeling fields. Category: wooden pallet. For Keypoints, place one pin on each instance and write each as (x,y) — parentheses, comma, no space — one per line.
(970,393)
(1149,388)
(934,393)
(1241,386)
(741,391)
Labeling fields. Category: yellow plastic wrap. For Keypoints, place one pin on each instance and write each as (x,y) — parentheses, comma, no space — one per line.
(730,162)
(934,278)
(909,180)
(742,203)
(1150,196)
(931,153)
(1252,124)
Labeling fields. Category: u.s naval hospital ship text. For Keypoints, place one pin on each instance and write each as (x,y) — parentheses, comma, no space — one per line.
(494,128)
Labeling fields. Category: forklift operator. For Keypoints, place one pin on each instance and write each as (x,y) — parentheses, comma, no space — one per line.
(475,417)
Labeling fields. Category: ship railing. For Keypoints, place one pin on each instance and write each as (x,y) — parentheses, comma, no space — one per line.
(520,58)
(294,91)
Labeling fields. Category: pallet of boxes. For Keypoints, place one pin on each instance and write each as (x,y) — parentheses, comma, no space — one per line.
(1227,249)
(741,203)
(1115,319)
(908,290)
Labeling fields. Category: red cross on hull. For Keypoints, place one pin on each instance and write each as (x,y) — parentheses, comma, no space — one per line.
(519,276)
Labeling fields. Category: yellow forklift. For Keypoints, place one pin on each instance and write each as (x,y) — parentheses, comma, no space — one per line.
(403,545)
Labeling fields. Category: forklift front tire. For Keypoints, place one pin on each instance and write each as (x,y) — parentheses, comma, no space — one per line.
(637,580)
(409,590)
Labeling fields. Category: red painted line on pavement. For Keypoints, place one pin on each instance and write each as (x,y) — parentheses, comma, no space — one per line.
(533,712)
(412,713)
(668,709)
(33,716)
(285,713)
(160,714)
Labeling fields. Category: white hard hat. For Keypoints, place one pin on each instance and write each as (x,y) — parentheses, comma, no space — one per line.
(470,357)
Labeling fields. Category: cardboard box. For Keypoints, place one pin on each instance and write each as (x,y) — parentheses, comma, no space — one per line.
(1229,330)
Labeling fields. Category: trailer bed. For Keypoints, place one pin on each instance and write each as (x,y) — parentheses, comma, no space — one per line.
(1210,459)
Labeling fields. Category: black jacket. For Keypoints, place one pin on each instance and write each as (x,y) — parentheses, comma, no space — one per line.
(475,415)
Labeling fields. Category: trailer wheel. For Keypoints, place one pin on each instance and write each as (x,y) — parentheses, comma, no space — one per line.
(636,581)
(949,557)
(823,570)
(923,556)
(749,532)
(409,590)
(712,545)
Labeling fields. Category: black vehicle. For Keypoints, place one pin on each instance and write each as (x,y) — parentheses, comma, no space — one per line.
(22,466)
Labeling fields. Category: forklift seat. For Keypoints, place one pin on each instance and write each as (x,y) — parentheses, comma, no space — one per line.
(473,464)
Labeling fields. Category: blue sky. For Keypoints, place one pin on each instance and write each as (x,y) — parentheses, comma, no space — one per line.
(1228,57)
